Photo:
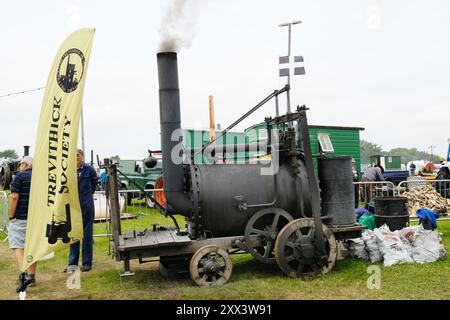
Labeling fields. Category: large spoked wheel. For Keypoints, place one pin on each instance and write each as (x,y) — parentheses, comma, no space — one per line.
(296,249)
(265,224)
(210,266)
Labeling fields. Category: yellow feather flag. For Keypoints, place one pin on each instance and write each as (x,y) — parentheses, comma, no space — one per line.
(54,213)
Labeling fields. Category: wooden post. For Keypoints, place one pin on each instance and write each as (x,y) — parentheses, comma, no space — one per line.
(212,125)
(113,192)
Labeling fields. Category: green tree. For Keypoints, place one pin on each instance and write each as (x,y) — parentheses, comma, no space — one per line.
(9,153)
(369,149)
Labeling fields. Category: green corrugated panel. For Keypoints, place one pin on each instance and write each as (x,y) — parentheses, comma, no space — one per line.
(346,142)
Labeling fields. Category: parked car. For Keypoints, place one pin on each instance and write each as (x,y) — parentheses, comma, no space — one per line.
(134,175)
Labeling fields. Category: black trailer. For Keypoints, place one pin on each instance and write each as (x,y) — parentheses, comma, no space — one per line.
(269,209)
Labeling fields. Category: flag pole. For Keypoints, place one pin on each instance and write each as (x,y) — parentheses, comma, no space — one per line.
(289,25)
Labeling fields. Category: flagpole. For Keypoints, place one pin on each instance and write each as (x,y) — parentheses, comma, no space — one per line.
(288,93)
(289,25)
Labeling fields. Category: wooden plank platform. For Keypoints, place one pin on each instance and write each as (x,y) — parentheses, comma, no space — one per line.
(147,239)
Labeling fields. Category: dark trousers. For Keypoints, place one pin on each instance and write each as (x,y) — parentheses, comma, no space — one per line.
(88,241)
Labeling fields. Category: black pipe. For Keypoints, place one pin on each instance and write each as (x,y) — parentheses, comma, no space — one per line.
(177,202)
(26,151)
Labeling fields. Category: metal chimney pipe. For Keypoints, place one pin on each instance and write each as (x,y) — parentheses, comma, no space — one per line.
(26,151)
(177,202)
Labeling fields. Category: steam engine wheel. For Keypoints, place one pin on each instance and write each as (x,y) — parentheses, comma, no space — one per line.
(210,266)
(296,249)
(266,224)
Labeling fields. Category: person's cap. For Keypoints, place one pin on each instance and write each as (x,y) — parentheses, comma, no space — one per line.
(441,159)
(27,160)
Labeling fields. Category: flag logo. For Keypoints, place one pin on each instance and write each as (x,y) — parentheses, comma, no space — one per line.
(54,213)
(291,65)
(70,70)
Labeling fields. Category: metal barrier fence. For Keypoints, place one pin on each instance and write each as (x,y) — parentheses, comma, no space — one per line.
(367,191)
(4,220)
(441,186)
(137,212)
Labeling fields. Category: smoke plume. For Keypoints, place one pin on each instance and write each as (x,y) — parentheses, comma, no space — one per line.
(177,26)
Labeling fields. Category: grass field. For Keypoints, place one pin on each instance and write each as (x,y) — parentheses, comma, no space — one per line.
(250,279)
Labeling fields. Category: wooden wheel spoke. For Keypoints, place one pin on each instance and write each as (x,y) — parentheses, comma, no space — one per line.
(201,270)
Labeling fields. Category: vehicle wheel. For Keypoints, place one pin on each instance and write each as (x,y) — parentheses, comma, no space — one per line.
(295,249)
(265,224)
(210,266)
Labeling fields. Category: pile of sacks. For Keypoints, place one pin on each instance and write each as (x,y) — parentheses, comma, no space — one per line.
(411,244)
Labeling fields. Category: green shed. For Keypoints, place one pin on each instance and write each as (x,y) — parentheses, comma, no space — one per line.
(387,162)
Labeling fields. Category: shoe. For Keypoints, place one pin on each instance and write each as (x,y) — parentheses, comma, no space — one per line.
(23,282)
(70,268)
(86,268)
(33,280)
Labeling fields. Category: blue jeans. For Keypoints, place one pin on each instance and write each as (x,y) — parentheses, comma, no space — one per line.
(88,241)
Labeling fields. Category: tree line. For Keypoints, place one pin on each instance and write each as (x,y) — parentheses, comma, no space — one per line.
(369,149)
(9,153)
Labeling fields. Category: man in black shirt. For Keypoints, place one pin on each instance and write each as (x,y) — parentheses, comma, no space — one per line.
(18,214)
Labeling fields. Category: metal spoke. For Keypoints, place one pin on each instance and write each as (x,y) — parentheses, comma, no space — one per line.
(290,258)
(275,221)
(260,232)
(300,268)
(290,244)
(268,249)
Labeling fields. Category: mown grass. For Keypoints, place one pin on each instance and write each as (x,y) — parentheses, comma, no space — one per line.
(250,279)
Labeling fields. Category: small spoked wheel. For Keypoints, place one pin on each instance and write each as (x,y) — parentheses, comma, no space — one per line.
(296,249)
(210,266)
(265,224)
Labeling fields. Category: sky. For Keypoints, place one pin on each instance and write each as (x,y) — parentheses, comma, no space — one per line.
(383,65)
